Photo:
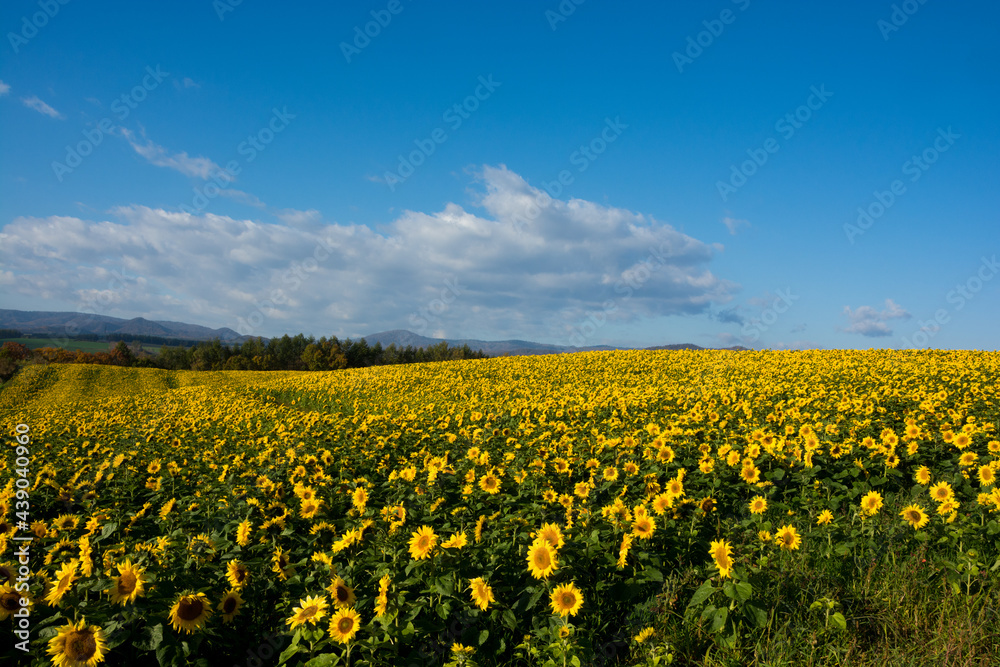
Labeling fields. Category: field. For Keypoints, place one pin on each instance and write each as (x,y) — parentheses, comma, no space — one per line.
(828,507)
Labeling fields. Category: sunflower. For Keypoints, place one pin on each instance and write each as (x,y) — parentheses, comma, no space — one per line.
(309,508)
(382,601)
(342,594)
(66,522)
(128,585)
(550,496)
(764,536)
(7,573)
(962,440)
(281,563)
(871,503)
(566,600)
(456,541)
(64,581)
(610,474)
(675,488)
(77,645)
(967,459)
(923,475)
(541,559)
(942,492)
(167,508)
(788,538)
(645,634)
(10,601)
(662,502)
(551,533)
(758,505)
(310,610)
(623,550)
(643,527)
(359,498)
(987,475)
(707,504)
(825,517)
(560,464)
(243,532)
(344,624)
(422,543)
(750,474)
(721,552)
(482,593)
(237,573)
(230,605)
(915,516)
(190,612)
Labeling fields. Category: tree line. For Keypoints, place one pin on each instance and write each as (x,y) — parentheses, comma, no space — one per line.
(288,353)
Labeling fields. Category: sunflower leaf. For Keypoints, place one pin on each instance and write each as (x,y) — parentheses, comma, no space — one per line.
(703,593)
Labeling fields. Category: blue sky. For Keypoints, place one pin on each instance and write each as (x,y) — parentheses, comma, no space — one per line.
(249,165)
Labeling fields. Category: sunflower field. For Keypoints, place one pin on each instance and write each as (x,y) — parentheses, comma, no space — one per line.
(630,507)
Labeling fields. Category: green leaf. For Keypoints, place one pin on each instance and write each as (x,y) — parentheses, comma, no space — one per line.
(150,638)
(483,636)
(757,614)
(323,660)
(575,661)
(708,611)
(743,591)
(652,574)
(719,622)
(727,588)
(703,593)
(509,619)
(288,653)
(839,620)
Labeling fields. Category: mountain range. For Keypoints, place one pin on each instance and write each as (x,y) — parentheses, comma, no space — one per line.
(60,324)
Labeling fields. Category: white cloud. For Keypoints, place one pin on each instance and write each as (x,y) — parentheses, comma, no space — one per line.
(733,224)
(38,105)
(4,88)
(345,279)
(873,323)
(199,167)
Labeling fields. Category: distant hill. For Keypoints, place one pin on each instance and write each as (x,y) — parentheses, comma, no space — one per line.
(498,348)
(59,324)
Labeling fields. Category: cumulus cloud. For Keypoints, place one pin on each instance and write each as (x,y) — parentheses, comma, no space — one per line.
(34,102)
(4,88)
(199,167)
(873,323)
(522,265)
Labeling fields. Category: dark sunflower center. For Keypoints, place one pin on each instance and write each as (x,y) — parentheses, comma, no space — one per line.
(190,610)
(345,624)
(568,600)
(239,575)
(126,583)
(309,612)
(81,645)
(542,559)
(342,594)
(229,606)
(10,601)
